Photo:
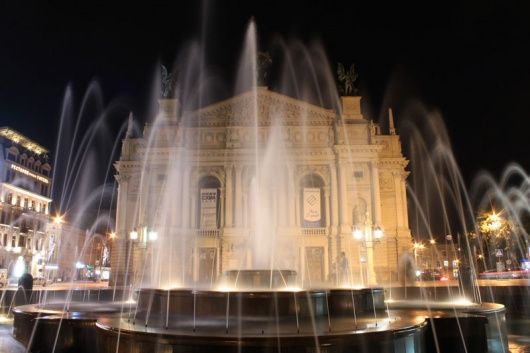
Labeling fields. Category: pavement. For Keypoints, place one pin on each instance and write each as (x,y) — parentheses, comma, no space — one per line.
(66,285)
(7,342)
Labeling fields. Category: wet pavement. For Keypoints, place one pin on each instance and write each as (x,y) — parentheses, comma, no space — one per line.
(7,342)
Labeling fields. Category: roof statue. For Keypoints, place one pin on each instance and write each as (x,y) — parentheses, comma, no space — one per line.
(263,64)
(130,126)
(167,81)
(347,80)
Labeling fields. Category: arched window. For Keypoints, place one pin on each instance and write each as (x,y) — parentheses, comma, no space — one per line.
(12,153)
(209,206)
(313,210)
(23,158)
(45,169)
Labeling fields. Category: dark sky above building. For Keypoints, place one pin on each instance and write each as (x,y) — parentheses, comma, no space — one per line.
(469,60)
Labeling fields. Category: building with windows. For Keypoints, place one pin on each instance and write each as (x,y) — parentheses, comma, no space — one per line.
(342,213)
(26,179)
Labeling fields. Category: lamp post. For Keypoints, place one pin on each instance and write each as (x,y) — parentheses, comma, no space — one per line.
(417,247)
(432,241)
(367,238)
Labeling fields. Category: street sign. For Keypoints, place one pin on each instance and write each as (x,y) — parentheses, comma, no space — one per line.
(498,252)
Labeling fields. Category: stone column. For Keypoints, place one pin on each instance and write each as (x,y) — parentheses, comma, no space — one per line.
(119,247)
(194,210)
(292,196)
(403,189)
(398,199)
(186,200)
(331,247)
(327,207)
(229,198)
(334,211)
(376,194)
(222,197)
(238,197)
(343,205)
(376,211)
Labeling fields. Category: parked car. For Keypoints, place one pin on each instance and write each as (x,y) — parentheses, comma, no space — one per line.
(510,274)
(431,275)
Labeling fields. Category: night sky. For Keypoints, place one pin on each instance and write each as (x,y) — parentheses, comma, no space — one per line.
(471,62)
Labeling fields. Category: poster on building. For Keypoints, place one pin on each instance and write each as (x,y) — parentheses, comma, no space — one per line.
(312,212)
(208,209)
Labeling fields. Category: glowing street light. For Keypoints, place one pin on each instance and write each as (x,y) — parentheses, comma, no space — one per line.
(112,235)
(133,235)
(432,241)
(417,247)
(58,219)
(378,233)
(357,233)
(153,235)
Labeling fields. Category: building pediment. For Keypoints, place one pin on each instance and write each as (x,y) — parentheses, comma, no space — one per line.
(270,107)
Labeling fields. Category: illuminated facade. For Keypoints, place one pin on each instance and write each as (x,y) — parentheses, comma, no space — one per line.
(26,178)
(345,183)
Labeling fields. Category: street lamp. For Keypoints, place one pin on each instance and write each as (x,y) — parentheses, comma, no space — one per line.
(133,235)
(368,238)
(432,241)
(153,235)
(58,219)
(357,233)
(417,247)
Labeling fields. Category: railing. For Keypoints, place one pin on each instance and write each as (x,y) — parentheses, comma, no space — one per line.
(208,233)
(314,231)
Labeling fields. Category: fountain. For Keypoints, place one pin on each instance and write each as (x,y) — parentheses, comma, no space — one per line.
(172,290)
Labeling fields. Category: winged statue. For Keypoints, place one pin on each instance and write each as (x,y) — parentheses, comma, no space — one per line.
(167,80)
(263,64)
(347,80)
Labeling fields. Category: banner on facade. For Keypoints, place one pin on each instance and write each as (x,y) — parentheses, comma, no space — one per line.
(312,209)
(208,209)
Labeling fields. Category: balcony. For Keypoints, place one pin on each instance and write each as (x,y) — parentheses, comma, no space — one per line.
(314,231)
(208,233)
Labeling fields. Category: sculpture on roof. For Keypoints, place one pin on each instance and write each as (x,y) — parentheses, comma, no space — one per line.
(167,80)
(347,80)
(263,64)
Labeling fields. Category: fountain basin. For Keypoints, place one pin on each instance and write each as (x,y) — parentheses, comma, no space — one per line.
(260,279)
